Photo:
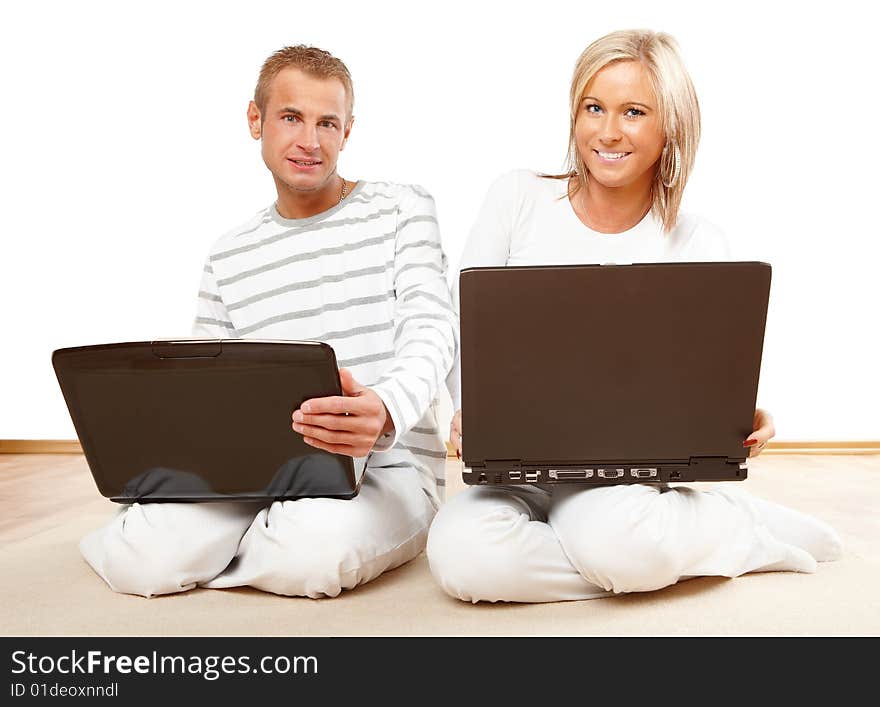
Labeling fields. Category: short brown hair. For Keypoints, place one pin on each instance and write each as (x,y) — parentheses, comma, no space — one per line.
(316,62)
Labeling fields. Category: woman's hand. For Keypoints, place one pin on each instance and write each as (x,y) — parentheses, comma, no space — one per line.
(455,433)
(764,431)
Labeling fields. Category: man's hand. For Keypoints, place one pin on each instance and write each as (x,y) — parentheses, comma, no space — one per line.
(455,432)
(764,431)
(348,424)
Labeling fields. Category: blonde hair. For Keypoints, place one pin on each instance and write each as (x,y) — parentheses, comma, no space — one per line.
(677,105)
(316,62)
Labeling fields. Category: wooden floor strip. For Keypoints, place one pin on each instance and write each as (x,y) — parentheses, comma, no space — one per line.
(66,446)
(40,446)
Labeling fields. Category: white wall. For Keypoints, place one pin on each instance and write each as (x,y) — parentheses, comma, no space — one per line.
(124,153)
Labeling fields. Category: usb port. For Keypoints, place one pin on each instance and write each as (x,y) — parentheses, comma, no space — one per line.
(532,476)
(514,475)
(610,473)
(570,474)
(644,473)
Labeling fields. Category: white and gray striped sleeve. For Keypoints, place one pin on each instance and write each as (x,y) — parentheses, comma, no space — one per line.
(425,323)
(212,320)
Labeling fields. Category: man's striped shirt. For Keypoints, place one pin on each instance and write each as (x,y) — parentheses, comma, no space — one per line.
(368,277)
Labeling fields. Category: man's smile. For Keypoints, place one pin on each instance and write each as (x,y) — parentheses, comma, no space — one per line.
(304,164)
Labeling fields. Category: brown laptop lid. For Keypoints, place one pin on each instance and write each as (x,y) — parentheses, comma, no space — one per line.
(597,363)
(202,420)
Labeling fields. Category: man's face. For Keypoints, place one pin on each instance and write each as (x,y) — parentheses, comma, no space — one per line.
(303,127)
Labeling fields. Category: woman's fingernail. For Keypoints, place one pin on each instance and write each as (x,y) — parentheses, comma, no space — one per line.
(750,442)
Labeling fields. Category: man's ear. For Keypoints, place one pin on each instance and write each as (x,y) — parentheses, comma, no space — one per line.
(254,121)
(346,133)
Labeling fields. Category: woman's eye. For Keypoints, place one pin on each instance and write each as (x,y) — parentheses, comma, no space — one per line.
(592,108)
(634,112)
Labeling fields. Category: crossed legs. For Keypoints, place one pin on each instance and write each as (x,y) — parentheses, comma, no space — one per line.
(528,544)
(306,547)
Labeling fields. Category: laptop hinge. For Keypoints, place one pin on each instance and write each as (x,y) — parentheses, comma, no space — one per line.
(713,461)
(504,464)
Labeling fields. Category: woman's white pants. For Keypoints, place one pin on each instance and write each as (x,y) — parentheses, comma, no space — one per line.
(531,544)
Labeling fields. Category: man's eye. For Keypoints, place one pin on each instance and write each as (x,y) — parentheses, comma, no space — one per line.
(290,118)
(327,124)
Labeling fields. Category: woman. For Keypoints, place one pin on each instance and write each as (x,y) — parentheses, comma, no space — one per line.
(634,131)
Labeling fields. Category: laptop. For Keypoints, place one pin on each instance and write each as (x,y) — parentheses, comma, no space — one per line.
(610,374)
(202,420)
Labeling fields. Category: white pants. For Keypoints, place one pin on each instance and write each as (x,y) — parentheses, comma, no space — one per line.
(530,544)
(306,547)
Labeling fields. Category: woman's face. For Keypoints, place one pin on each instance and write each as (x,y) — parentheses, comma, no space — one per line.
(617,128)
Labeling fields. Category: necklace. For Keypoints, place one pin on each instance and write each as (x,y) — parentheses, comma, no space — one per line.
(342,194)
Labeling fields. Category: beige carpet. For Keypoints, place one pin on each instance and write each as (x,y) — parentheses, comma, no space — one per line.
(47,589)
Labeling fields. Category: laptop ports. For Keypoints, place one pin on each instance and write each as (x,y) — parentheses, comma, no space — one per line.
(514,475)
(570,474)
(532,476)
(644,473)
(610,473)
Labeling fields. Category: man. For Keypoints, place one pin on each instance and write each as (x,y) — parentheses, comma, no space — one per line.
(358,265)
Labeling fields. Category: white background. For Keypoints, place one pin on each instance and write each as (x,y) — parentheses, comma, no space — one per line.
(124,153)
